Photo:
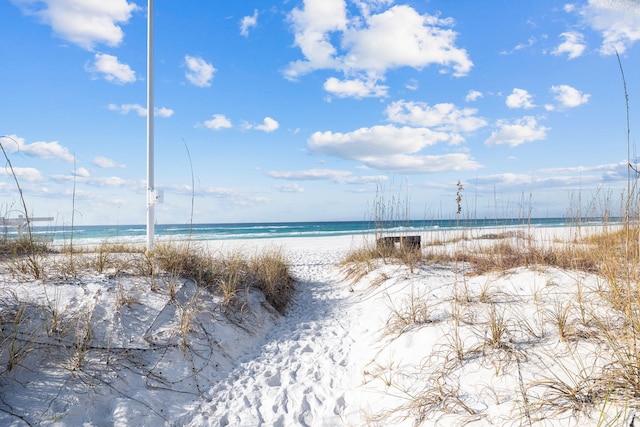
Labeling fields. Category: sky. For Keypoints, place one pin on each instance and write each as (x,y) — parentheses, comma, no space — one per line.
(315,110)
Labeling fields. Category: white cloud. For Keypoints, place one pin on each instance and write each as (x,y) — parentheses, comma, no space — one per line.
(473,95)
(402,37)
(368,6)
(573,45)
(200,73)
(402,163)
(518,132)
(219,121)
(248,22)
(42,150)
(412,84)
(293,187)
(82,22)
(83,176)
(312,26)
(337,176)
(140,110)
(569,97)
(163,112)
(365,47)
(365,144)
(127,108)
(443,117)
(24,174)
(519,98)
(111,69)
(391,148)
(105,162)
(355,88)
(571,178)
(81,172)
(521,46)
(268,125)
(618,22)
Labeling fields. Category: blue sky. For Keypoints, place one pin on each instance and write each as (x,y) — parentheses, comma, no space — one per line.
(305,110)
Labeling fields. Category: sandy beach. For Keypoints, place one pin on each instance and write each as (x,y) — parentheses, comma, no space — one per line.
(425,344)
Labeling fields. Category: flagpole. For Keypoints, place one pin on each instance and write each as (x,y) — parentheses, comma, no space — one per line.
(151,194)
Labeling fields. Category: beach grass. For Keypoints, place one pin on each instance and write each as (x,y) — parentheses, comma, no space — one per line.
(582,339)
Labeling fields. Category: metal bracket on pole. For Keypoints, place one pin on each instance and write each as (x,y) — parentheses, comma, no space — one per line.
(154,197)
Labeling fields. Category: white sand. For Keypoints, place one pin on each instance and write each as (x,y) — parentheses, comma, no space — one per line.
(339,357)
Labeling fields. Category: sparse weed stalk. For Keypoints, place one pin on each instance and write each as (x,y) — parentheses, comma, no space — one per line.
(455,340)
(123,297)
(567,391)
(560,315)
(533,326)
(15,344)
(82,338)
(486,295)
(53,309)
(186,315)
(102,258)
(498,331)
(413,311)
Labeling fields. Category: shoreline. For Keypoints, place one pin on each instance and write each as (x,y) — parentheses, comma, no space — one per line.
(124,234)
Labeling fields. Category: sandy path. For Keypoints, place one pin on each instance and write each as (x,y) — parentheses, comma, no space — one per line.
(300,374)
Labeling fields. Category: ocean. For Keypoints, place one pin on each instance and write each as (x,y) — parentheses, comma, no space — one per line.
(96,234)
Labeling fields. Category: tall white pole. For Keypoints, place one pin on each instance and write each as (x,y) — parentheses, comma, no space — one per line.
(151,198)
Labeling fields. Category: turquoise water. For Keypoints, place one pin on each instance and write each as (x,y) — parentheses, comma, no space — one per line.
(137,233)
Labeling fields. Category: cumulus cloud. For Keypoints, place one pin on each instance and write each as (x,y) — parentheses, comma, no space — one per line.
(400,37)
(42,150)
(618,21)
(289,188)
(111,69)
(163,112)
(355,88)
(312,27)
(399,147)
(24,174)
(517,132)
(140,110)
(108,181)
(365,47)
(82,172)
(105,162)
(268,125)
(473,95)
(443,117)
(569,97)
(402,163)
(337,176)
(82,22)
(520,98)
(569,178)
(364,144)
(248,22)
(199,72)
(218,121)
(127,108)
(573,45)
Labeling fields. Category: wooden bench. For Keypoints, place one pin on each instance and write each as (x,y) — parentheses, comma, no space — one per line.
(405,242)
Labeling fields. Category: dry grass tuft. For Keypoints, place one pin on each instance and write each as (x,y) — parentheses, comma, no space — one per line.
(231,274)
